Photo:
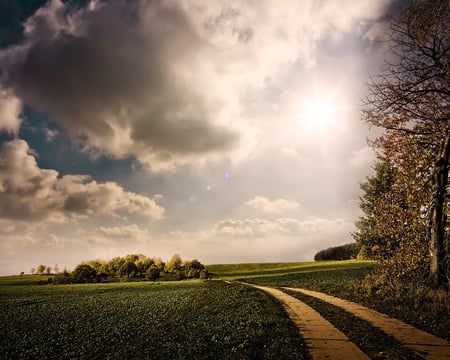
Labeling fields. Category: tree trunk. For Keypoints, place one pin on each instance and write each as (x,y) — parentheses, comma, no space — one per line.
(438,221)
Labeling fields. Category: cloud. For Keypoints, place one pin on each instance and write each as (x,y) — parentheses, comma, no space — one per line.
(255,239)
(166,81)
(264,204)
(10,109)
(281,226)
(119,88)
(290,152)
(29,193)
(124,232)
(362,157)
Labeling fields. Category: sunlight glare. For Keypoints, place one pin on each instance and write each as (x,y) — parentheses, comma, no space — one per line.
(320,113)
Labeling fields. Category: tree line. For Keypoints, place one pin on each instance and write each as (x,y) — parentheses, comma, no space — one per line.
(342,252)
(405,202)
(128,268)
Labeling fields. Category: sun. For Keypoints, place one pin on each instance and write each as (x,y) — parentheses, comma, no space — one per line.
(319,112)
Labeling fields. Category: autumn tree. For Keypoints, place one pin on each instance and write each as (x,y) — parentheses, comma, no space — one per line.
(410,101)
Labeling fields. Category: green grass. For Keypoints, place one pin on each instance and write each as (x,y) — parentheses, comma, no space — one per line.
(171,320)
(279,270)
(24,279)
(326,276)
(195,319)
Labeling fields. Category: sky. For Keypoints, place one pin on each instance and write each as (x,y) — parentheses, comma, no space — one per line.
(227,131)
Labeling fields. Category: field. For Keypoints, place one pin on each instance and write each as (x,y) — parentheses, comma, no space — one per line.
(276,273)
(179,320)
(190,319)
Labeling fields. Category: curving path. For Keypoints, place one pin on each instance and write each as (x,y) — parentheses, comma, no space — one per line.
(425,344)
(324,341)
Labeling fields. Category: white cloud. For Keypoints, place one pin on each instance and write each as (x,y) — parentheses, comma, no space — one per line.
(29,193)
(10,109)
(254,239)
(265,205)
(122,232)
(362,157)
(281,226)
(290,152)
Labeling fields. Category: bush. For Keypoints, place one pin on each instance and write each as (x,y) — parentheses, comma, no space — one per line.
(193,269)
(62,278)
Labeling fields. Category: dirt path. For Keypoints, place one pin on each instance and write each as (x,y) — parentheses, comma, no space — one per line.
(322,338)
(423,343)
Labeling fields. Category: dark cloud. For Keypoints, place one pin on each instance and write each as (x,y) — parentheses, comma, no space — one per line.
(114,74)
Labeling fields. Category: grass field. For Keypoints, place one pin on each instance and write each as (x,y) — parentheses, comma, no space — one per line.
(190,319)
(350,269)
(178,320)
(209,319)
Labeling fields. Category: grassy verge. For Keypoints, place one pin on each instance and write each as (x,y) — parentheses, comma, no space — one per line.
(178,320)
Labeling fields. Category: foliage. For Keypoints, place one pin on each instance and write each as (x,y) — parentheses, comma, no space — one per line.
(371,234)
(409,101)
(41,269)
(128,268)
(174,265)
(133,267)
(152,273)
(84,273)
(176,320)
(63,278)
(342,252)
(192,269)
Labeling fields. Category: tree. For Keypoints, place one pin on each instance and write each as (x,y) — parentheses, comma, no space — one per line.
(192,269)
(115,266)
(84,273)
(152,272)
(128,268)
(32,270)
(371,231)
(410,101)
(41,269)
(342,252)
(174,265)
